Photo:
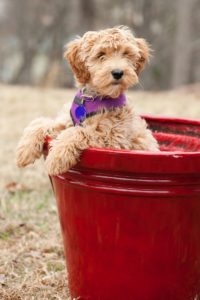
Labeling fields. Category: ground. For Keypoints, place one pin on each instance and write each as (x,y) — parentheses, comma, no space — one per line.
(32,263)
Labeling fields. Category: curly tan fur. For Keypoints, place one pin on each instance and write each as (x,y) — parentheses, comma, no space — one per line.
(92,59)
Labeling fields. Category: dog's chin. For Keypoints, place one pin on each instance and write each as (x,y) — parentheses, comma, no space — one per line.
(114,89)
(117,87)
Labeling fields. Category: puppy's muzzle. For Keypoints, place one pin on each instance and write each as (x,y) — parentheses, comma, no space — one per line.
(117,74)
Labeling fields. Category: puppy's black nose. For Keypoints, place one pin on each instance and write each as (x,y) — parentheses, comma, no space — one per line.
(117,73)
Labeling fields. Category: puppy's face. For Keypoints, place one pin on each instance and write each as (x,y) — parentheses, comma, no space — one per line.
(107,61)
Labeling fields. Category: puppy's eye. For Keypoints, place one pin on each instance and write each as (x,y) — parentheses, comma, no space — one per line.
(125,53)
(101,55)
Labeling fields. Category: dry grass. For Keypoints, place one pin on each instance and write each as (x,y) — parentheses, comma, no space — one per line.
(31,254)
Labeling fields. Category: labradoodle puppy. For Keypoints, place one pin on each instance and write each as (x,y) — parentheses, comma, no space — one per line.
(105,64)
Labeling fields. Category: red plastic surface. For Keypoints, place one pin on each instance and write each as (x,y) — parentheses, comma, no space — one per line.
(131,220)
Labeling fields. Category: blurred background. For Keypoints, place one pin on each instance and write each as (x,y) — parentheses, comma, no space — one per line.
(34,32)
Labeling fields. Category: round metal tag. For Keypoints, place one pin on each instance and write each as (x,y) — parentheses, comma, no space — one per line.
(80,112)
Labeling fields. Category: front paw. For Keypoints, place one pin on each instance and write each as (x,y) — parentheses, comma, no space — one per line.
(59,160)
(27,154)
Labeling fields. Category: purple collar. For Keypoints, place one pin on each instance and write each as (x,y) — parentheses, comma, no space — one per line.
(84,107)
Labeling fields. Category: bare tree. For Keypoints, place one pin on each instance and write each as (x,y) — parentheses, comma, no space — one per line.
(33,33)
(87,13)
(182,49)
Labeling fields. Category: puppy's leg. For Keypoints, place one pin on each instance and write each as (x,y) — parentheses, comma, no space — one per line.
(30,146)
(66,150)
(145,141)
(142,138)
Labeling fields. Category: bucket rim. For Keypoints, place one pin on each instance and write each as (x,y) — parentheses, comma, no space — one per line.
(161,119)
(139,161)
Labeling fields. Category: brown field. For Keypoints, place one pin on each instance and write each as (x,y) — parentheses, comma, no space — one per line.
(31,254)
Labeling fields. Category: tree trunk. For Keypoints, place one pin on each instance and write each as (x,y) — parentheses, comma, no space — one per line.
(23,74)
(182,49)
(87,14)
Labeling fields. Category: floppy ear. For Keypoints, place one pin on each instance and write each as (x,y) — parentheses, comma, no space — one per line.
(72,55)
(144,52)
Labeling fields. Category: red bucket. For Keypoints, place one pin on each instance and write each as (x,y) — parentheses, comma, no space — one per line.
(131,220)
